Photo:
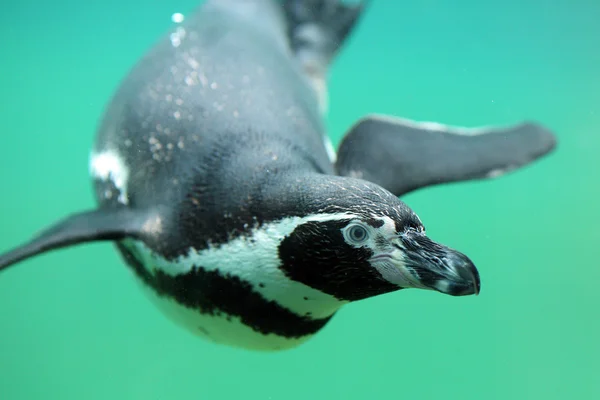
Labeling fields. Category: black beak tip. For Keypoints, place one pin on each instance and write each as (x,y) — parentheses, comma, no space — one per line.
(473,279)
(444,269)
(471,284)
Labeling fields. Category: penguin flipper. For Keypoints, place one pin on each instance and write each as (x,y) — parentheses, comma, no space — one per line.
(403,155)
(88,226)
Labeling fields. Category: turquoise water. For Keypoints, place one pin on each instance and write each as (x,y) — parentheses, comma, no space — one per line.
(74,324)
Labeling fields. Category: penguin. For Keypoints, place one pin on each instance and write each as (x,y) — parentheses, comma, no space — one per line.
(216,181)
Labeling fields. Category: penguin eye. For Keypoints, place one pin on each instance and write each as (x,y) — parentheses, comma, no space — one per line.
(356,234)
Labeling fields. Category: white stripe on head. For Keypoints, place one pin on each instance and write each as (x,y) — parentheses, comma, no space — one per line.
(255,259)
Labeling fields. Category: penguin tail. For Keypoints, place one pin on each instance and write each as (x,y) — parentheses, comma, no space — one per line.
(317,29)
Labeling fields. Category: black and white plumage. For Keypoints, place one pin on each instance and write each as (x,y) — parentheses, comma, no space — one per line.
(216,180)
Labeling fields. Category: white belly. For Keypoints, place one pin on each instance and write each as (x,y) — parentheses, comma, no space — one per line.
(224,329)
(253,260)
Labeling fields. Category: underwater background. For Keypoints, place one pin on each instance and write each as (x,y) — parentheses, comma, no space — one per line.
(74,323)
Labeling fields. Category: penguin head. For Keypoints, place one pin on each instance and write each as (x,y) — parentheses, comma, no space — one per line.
(362,241)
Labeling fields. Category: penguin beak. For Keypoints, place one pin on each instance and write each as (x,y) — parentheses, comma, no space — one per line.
(438,267)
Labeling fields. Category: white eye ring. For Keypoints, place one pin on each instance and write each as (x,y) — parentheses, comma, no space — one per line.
(357,234)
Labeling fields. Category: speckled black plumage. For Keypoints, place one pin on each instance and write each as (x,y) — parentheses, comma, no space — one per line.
(212,149)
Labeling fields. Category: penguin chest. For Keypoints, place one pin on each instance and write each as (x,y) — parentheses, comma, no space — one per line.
(235,294)
(215,325)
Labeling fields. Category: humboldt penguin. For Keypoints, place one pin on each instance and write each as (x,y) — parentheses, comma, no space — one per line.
(215,179)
